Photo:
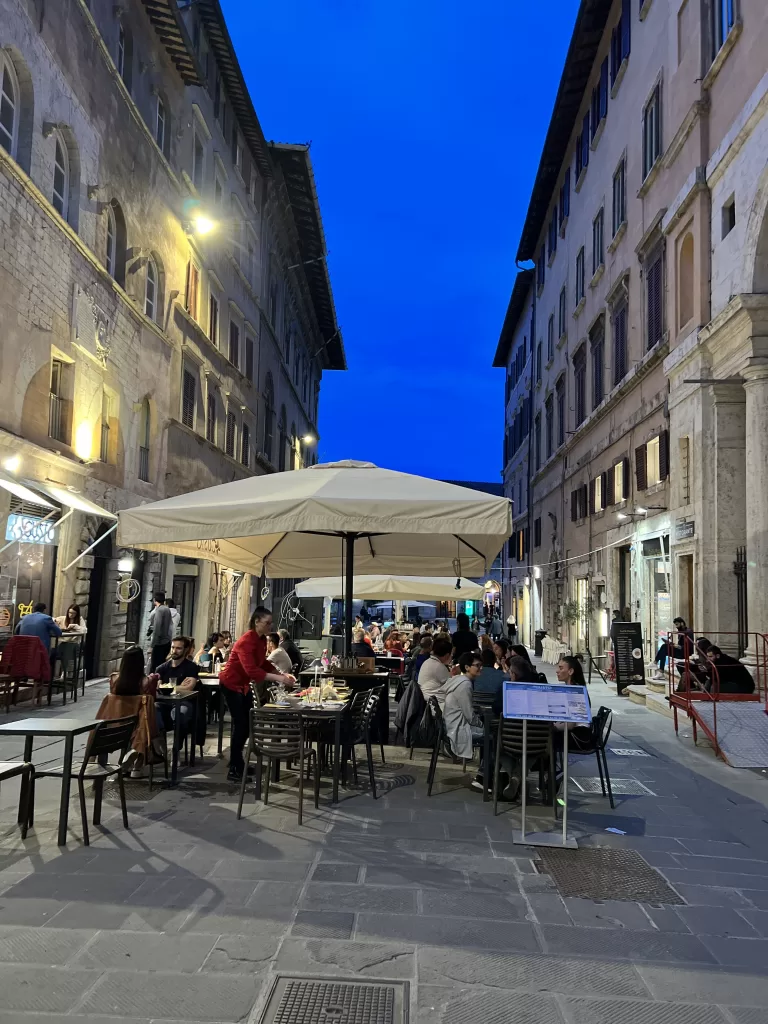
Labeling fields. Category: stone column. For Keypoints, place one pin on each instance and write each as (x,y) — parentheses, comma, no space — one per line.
(756,388)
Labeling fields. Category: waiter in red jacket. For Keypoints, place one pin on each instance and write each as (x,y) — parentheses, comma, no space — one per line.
(247,663)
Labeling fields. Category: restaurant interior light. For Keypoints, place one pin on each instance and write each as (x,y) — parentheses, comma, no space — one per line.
(12,464)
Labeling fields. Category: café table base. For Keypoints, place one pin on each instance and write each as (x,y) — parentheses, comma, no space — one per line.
(544,839)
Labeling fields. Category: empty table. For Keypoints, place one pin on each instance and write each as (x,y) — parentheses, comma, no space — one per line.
(61,728)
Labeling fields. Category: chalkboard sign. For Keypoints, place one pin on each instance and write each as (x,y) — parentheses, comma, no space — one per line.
(628,658)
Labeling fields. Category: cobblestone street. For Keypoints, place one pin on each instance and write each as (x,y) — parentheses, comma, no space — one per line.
(192,914)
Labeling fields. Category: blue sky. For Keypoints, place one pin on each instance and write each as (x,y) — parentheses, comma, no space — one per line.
(426,119)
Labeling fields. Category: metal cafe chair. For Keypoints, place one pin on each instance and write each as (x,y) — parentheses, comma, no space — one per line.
(538,746)
(278,736)
(107,737)
(8,770)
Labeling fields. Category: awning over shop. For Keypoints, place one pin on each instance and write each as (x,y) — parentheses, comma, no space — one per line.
(24,493)
(72,499)
(394,588)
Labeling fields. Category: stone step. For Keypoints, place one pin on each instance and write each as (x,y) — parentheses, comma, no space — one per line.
(658,703)
(637,693)
(657,685)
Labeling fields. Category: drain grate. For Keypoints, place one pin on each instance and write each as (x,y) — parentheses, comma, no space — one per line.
(620,787)
(629,752)
(600,874)
(331,1001)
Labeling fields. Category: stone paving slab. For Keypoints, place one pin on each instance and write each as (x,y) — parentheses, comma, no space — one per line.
(437,1006)
(187,997)
(521,971)
(611,1011)
(191,914)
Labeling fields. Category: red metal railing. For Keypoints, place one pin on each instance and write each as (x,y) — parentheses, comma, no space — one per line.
(688,685)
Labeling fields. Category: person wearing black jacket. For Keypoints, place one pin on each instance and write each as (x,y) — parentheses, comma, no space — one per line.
(293,652)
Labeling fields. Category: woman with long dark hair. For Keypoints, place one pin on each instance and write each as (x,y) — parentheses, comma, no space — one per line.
(571,671)
(129,680)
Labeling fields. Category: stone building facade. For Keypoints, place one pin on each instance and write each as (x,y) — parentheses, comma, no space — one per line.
(646,226)
(165,308)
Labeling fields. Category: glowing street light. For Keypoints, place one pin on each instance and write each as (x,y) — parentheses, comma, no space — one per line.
(203,225)
(309,439)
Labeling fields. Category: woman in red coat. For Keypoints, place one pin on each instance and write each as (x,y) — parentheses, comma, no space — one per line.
(247,663)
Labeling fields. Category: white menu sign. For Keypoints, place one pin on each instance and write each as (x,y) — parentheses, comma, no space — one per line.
(546,702)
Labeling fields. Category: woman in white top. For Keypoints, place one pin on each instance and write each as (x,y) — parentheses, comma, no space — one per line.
(277,656)
(435,671)
(72,622)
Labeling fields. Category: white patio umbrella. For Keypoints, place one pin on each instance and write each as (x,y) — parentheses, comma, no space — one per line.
(305,522)
(410,589)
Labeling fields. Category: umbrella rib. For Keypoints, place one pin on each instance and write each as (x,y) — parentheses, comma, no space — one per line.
(467,544)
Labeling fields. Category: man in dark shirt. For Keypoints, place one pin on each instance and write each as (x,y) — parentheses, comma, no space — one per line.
(464,640)
(179,670)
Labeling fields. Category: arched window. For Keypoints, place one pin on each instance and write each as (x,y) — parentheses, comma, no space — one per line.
(111,246)
(294,448)
(685,284)
(150,290)
(9,107)
(160,124)
(60,198)
(145,426)
(282,440)
(115,243)
(269,416)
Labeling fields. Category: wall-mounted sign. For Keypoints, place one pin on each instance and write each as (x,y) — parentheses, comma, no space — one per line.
(30,529)
(685,530)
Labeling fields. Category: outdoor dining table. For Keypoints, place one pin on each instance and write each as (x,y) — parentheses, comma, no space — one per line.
(177,699)
(356,681)
(322,714)
(60,728)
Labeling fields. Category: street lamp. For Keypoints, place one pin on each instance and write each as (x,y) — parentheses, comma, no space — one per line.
(309,439)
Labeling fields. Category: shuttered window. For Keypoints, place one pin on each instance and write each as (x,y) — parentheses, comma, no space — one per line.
(585,141)
(210,419)
(537,533)
(234,343)
(664,454)
(574,506)
(597,349)
(249,358)
(641,467)
(580,384)
(620,344)
(550,425)
(188,400)
(609,488)
(654,297)
(245,449)
(229,439)
(560,393)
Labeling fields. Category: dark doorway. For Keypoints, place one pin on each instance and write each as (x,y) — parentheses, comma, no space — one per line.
(184,596)
(133,619)
(97,600)
(625,582)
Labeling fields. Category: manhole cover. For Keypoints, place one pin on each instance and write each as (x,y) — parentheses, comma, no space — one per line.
(620,787)
(330,1001)
(602,874)
(629,752)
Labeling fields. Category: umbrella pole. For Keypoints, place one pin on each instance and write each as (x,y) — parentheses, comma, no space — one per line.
(349,586)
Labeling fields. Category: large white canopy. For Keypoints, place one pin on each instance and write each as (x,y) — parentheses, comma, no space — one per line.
(291,524)
(393,588)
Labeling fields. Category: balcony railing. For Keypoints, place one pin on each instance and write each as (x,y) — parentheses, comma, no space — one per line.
(56,418)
